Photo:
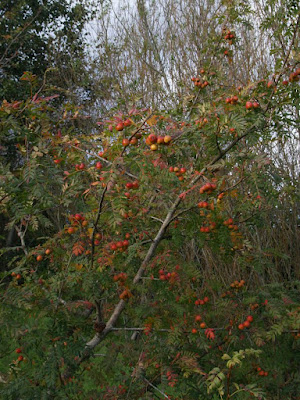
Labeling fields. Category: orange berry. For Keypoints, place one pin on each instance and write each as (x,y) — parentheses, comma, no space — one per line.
(246,324)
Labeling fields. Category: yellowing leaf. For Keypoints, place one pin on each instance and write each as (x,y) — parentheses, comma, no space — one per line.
(152,120)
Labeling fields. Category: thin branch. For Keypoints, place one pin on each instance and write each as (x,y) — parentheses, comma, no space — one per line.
(156,219)
(156,388)
(21,235)
(96,223)
(18,35)
(105,162)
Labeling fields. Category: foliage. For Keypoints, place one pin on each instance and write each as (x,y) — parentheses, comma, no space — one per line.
(152,256)
(35,35)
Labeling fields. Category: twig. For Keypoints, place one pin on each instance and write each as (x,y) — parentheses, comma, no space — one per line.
(96,223)
(105,161)
(156,388)
(21,235)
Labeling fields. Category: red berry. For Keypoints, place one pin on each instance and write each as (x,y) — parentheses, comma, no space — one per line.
(20,358)
(18,350)
(120,126)
(246,324)
(125,142)
(127,122)
(152,138)
(250,318)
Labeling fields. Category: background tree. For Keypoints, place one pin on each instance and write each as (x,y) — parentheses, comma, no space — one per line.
(36,35)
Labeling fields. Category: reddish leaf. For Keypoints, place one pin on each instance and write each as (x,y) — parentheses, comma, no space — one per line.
(78,248)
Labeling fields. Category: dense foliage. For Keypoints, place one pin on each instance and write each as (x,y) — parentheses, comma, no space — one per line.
(154,254)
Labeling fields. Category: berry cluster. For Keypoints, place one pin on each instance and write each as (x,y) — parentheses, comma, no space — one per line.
(18,351)
(126,294)
(261,372)
(208,187)
(246,324)
(229,223)
(238,284)
(228,35)
(232,100)
(249,105)
(57,160)
(168,276)
(201,122)
(98,165)
(134,140)
(120,245)
(17,276)
(76,220)
(294,76)
(80,167)
(202,325)
(120,278)
(207,229)
(132,185)
(179,172)
(153,141)
(199,83)
(120,125)
(203,204)
(201,302)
